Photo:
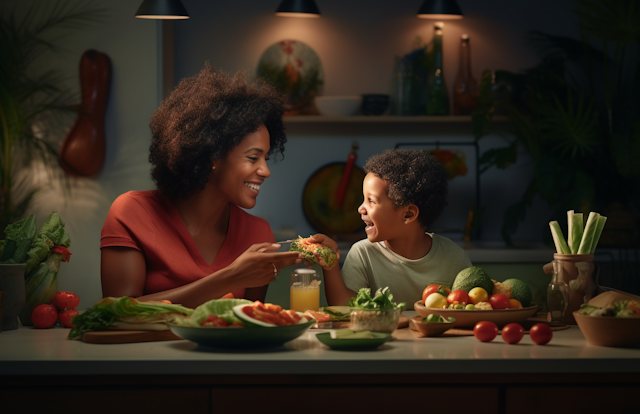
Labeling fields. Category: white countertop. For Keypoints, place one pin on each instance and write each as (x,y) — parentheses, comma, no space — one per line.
(29,351)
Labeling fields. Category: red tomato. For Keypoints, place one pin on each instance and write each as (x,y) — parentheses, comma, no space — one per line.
(441,289)
(485,331)
(213,320)
(499,301)
(66,300)
(540,333)
(512,333)
(66,316)
(459,296)
(44,316)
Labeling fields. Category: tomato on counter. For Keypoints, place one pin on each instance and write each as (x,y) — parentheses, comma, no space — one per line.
(485,331)
(512,333)
(540,333)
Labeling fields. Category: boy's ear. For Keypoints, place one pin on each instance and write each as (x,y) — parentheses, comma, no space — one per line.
(411,213)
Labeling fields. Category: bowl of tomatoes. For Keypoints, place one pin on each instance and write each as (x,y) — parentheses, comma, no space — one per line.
(469,318)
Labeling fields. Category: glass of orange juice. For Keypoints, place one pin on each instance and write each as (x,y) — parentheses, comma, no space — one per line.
(304,290)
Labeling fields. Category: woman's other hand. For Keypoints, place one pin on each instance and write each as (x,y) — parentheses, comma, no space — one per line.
(260,264)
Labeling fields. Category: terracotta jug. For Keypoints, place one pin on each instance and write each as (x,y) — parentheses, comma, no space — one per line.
(579,274)
(83,150)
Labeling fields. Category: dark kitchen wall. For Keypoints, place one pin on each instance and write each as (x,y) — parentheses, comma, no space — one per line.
(357,41)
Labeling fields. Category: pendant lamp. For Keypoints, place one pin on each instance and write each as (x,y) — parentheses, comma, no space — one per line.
(440,10)
(298,8)
(162,9)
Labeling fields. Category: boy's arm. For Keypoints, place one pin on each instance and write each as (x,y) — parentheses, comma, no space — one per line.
(338,294)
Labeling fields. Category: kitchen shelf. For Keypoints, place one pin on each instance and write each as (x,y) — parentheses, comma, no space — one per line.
(382,126)
(359,119)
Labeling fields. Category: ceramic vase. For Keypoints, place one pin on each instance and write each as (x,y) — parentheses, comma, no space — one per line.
(12,283)
(579,275)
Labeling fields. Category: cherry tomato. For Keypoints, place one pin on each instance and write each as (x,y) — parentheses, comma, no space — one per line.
(485,331)
(66,300)
(44,316)
(540,333)
(477,295)
(459,296)
(441,289)
(514,304)
(66,316)
(512,333)
(499,301)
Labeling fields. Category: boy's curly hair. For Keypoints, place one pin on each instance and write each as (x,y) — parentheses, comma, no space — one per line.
(202,120)
(414,177)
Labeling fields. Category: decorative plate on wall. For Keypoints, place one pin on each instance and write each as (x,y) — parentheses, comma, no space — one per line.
(294,68)
(320,200)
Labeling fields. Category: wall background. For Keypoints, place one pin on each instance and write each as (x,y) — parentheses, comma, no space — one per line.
(357,49)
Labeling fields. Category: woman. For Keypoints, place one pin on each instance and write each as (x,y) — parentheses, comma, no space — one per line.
(189,241)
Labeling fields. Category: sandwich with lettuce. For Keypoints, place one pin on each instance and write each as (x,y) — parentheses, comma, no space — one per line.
(315,252)
(127,314)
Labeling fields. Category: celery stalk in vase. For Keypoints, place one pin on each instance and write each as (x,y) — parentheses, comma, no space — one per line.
(558,238)
(588,238)
(576,231)
(601,221)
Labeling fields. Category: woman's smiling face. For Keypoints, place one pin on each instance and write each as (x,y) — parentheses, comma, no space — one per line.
(382,218)
(240,174)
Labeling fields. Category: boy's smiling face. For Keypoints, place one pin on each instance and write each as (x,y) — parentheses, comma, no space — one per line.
(382,218)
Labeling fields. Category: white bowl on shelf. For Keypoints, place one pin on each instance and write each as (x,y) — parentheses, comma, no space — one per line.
(344,105)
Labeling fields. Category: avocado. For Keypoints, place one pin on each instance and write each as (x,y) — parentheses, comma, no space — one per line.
(520,291)
(472,277)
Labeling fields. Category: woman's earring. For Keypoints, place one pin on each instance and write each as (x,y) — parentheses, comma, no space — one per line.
(214,167)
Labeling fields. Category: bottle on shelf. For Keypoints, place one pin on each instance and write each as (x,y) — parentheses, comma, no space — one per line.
(557,296)
(438,100)
(465,86)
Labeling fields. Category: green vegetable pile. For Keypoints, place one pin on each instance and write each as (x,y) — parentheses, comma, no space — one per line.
(108,311)
(42,251)
(382,300)
(435,318)
(620,309)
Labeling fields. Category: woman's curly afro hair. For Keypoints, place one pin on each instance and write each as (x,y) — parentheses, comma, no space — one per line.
(202,120)
(414,177)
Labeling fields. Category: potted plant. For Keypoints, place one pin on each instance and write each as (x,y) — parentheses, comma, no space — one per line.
(577,115)
(33,103)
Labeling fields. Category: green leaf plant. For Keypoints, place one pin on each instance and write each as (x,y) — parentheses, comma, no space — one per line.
(34,103)
(576,114)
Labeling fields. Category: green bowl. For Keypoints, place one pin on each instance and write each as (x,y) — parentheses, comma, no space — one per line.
(379,338)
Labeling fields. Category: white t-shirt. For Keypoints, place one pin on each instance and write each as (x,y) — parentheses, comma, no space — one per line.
(374,265)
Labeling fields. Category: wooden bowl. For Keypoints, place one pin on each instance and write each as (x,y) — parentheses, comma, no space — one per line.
(430,329)
(469,318)
(609,331)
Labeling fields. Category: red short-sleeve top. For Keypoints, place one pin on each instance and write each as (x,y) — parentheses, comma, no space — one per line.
(150,222)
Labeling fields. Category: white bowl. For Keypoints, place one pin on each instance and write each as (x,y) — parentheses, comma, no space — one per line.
(338,105)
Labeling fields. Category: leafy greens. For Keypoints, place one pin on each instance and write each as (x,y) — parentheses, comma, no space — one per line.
(382,300)
(125,309)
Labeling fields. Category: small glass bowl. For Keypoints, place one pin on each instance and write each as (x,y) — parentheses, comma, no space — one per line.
(375,320)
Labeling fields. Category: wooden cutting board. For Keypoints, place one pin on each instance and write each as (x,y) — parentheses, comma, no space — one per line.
(469,332)
(126,337)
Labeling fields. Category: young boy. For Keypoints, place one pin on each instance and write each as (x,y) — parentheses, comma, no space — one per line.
(404,193)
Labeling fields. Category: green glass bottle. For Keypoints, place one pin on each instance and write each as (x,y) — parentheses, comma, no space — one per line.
(438,101)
